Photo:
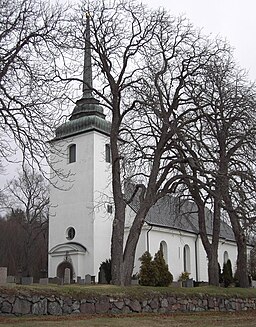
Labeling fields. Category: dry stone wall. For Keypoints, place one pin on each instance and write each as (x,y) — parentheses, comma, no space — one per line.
(58,305)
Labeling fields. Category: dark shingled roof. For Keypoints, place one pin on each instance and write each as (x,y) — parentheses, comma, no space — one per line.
(171,212)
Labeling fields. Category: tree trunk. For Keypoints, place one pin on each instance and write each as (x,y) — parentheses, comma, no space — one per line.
(117,240)
(117,243)
(213,267)
(211,249)
(132,241)
(242,272)
(117,253)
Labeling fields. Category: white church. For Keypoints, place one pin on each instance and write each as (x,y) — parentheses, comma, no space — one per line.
(81,213)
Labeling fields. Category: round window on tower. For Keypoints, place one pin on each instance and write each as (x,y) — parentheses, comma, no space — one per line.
(70,233)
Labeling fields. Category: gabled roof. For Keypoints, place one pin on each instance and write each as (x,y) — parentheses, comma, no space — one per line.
(171,212)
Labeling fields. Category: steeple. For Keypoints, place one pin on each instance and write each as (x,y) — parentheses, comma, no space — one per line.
(87,105)
(87,74)
(87,114)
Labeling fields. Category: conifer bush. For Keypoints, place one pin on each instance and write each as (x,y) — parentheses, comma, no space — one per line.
(164,277)
(154,272)
(227,273)
(148,274)
(106,267)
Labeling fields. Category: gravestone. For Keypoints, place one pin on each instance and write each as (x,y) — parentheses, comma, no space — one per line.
(55,280)
(3,275)
(88,279)
(67,276)
(11,279)
(102,278)
(27,280)
(43,281)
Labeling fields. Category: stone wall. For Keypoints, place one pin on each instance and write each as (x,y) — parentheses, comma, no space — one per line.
(58,305)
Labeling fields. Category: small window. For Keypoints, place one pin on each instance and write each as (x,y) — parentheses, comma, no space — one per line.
(109,208)
(72,153)
(163,248)
(225,257)
(107,153)
(70,233)
(186,258)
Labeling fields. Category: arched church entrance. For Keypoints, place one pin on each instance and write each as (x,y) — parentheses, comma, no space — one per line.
(65,270)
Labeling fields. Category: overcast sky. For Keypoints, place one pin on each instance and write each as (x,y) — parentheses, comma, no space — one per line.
(234,20)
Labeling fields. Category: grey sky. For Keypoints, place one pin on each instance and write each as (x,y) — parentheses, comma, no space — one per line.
(234,20)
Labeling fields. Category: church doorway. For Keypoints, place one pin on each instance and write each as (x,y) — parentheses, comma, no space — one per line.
(64,269)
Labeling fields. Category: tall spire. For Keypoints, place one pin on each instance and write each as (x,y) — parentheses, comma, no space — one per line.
(87,74)
(87,115)
(87,105)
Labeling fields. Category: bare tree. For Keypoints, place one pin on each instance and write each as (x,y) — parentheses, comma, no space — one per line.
(29,195)
(31,98)
(221,149)
(145,59)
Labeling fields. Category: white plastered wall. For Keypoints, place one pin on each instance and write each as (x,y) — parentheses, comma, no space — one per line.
(78,202)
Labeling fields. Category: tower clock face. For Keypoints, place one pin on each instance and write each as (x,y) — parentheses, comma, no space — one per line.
(70,233)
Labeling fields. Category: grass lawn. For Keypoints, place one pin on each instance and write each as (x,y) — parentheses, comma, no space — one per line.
(139,292)
(206,319)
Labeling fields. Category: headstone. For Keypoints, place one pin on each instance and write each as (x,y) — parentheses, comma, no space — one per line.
(81,282)
(27,280)
(67,276)
(43,281)
(55,280)
(3,275)
(78,279)
(254,283)
(11,279)
(88,279)
(135,282)
(102,278)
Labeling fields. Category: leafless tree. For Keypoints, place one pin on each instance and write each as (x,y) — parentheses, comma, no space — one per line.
(220,146)
(144,58)
(31,59)
(29,195)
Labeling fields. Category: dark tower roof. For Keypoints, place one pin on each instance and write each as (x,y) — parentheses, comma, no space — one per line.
(88,114)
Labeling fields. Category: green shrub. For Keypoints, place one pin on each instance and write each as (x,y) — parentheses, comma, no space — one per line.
(154,272)
(148,274)
(164,277)
(220,275)
(227,273)
(106,267)
(184,276)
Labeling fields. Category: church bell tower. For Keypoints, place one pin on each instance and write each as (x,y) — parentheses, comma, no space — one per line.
(80,220)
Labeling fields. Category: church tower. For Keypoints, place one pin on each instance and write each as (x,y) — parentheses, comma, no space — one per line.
(80,220)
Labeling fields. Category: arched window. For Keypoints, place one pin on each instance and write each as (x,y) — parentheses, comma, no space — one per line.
(107,153)
(72,153)
(186,258)
(163,247)
(225,257)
